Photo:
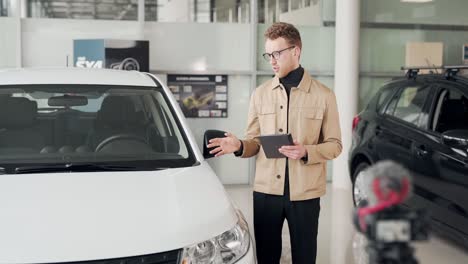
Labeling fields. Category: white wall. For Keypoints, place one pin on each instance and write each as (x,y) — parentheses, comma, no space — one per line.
(307,16)
(48,42)
(191,46)
(173,46)
(8,42)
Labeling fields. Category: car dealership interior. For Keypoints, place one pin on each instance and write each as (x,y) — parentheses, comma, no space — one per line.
(171,70)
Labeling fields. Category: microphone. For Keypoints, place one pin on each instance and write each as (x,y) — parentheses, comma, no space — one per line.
(389,185)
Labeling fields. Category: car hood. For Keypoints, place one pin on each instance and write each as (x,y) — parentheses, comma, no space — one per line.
(64,217)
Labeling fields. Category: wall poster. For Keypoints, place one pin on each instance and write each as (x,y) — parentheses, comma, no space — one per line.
(130,55)
(200,96)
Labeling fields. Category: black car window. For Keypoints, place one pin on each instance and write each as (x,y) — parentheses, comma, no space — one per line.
(408,106)
(451,111)
(383,96)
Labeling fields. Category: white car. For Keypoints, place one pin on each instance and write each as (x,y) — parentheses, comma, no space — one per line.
(99,166)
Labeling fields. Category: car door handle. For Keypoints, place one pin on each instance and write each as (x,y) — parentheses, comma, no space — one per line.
(421,151)
(378,130)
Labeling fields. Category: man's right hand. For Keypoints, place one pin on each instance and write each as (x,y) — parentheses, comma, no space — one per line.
(226,145)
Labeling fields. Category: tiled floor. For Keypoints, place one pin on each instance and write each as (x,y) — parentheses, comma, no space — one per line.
(338,243)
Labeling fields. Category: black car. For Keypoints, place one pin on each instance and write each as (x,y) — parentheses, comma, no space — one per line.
(421,122)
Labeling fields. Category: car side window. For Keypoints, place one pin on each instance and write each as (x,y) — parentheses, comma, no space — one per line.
(408,106)
(451,111)
(383,96)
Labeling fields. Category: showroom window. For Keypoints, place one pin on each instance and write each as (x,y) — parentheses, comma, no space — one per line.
(270,11)
(4,4)
(201,11)
(394,32)
(84,9)
(204,11)
(318,38)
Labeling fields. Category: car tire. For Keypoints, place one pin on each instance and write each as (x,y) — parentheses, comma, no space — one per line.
(358,184)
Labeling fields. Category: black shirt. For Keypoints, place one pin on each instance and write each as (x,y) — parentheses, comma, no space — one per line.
(292,80)
(289,81)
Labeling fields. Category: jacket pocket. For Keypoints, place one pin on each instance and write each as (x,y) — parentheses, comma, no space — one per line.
(312,113)
(267,119)
(311,124)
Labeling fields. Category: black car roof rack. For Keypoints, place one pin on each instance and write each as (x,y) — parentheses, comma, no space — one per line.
(450,70)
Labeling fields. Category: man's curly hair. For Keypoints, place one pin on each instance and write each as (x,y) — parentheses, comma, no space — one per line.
(286,31)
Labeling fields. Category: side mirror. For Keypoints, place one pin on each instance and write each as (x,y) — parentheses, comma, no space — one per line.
(456,139)
(210,134)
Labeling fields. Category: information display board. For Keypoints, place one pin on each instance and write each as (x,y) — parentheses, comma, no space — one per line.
(200,96)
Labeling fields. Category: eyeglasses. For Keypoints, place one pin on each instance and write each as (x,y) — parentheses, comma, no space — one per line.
(275,54)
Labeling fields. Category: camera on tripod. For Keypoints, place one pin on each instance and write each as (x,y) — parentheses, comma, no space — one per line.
(387,223)
(397,224)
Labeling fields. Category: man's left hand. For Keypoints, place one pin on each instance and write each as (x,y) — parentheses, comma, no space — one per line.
(297,151)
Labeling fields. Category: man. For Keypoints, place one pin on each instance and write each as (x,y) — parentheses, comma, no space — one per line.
(288,188)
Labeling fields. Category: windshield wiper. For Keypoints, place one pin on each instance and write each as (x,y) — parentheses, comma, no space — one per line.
(70,167)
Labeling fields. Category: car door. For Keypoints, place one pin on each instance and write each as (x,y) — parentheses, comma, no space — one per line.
(401,133)
(448,183)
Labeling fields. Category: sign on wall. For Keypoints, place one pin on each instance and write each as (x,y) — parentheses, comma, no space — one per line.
(465,54)
(112,54)
(200,95)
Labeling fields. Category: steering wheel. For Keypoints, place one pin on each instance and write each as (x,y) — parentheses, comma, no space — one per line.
(118,137)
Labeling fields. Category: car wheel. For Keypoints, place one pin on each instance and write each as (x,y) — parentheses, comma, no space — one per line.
(360,188)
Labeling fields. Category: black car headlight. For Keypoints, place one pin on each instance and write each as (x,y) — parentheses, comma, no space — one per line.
(226,248)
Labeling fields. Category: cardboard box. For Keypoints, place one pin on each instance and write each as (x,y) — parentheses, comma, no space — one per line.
(424,54)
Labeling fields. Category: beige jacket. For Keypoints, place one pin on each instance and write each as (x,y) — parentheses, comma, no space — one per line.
(313,121)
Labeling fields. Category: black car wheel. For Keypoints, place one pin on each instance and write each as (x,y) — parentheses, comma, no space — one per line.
(360,187)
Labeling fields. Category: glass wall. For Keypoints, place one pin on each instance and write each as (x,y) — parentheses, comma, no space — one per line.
(391,31)
(270,11)
(204,11)
(4,6)
(201,11)
(84,9)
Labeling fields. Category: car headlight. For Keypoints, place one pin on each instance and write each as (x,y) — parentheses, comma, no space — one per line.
(226,248)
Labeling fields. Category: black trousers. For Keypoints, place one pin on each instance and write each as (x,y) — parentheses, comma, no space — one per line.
(302,216)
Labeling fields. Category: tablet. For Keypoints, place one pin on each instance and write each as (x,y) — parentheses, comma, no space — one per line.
(272,143)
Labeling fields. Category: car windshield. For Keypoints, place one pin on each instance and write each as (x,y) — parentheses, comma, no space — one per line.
(89,127)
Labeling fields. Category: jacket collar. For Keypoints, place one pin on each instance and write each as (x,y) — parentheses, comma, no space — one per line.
(304,85)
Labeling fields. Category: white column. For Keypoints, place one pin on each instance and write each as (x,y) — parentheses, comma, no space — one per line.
(24,8)
(141,19)
(346,80)
(247,13)
(16,13)
(253,62)
(277,11)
